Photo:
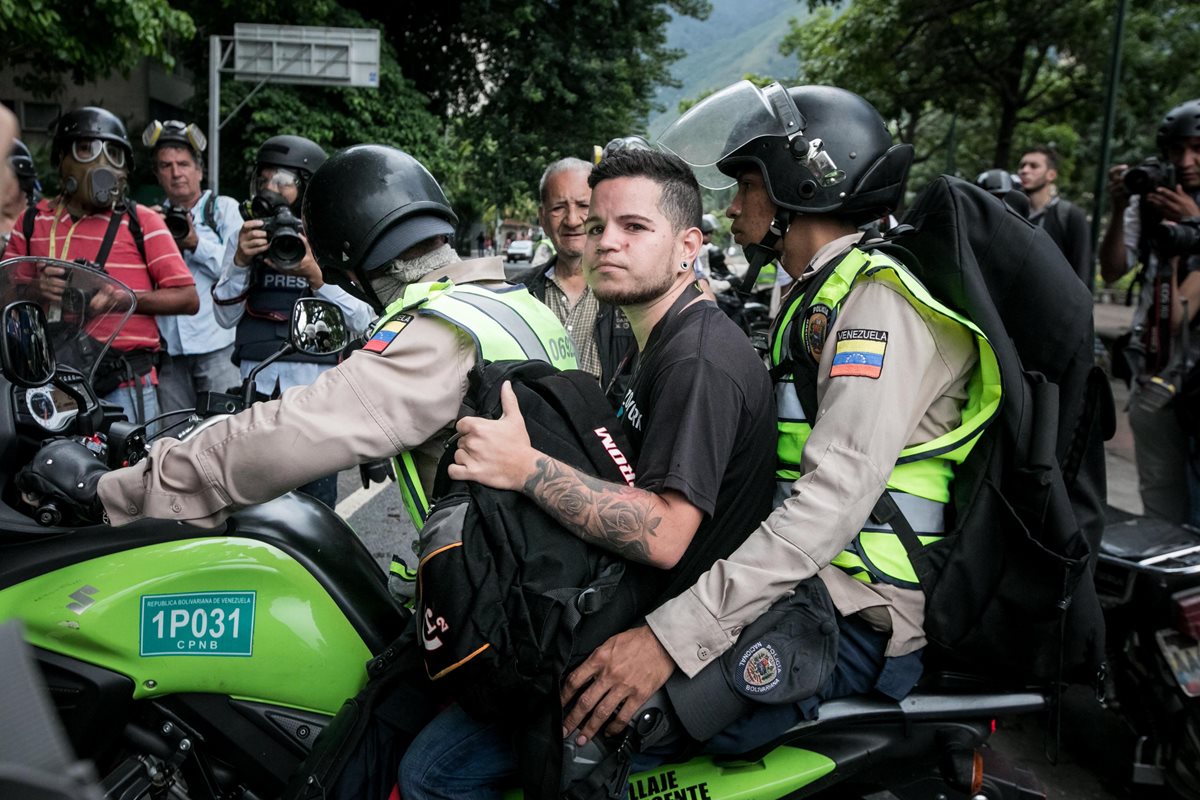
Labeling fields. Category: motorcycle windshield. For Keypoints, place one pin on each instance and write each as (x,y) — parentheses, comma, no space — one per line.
(723,122)
(85,308)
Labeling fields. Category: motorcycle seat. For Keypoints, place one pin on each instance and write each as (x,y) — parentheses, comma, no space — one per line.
(1141,538)
(872,713)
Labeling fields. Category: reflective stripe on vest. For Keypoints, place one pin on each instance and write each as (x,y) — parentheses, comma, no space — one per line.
(920,481)
(505,324)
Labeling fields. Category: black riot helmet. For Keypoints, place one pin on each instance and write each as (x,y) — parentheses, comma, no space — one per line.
(89,123)
(292,155)
(367,205)
(821,150)
(21,158)
(304,156)
(1181,122)
(996,181)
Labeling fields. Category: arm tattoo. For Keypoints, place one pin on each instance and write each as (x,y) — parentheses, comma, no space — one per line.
(616,517)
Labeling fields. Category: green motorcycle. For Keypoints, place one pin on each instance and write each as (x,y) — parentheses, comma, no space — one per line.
(203,663)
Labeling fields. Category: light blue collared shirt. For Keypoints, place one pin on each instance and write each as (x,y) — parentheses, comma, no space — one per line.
(199,333)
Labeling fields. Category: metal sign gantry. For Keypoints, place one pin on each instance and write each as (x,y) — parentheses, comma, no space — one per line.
(288,54)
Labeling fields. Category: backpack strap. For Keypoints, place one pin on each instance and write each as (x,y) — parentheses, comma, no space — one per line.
(886,510)
(211,217)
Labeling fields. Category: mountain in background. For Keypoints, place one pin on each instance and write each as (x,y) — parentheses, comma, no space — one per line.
(739,36)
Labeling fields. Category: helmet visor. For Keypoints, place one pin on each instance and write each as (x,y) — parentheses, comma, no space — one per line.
(723,122)
(272,179)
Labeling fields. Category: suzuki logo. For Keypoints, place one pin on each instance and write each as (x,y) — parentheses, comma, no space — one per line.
(83,599)
(433,626)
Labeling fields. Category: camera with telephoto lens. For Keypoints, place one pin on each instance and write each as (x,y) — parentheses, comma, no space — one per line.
(178,223)
(285,248)
(1148,176)
(1181,239)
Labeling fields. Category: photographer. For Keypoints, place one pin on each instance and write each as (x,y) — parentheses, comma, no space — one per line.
(268,267)
(200,350)
(1155,222)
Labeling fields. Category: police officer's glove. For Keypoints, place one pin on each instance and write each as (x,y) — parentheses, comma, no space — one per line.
(63,476)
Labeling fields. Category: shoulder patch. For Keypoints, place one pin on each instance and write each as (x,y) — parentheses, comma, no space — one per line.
(814,328)
(385,335)
(859,353)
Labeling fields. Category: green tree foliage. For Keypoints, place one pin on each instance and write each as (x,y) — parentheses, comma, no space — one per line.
(972,82)
(395,113)
(49,40)
(530,81)
(485,92)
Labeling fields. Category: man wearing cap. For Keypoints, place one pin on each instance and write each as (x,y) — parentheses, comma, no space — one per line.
(200,350)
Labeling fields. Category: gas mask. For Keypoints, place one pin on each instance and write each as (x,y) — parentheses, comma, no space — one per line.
(94,173)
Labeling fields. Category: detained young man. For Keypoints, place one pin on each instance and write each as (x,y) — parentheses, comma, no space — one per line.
(699,414)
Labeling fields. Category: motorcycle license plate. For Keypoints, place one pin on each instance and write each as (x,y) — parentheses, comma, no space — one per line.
(198,624)
(1183,656)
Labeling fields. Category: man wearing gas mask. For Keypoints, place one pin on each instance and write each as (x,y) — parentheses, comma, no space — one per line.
(201,351)
(93,222)
(269,266)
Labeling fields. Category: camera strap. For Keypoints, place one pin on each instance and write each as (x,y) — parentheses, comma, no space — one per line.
(1158,332)
(110,235)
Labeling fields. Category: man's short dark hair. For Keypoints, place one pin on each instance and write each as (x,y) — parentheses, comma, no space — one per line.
(1049,152)
(680,200)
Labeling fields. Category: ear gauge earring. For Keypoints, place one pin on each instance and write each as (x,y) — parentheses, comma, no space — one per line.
(684,266)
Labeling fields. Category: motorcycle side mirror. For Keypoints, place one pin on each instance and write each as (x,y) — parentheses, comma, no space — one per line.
(27,355)
(318,327)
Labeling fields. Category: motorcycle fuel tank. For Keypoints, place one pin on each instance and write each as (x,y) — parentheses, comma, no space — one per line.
(220,614)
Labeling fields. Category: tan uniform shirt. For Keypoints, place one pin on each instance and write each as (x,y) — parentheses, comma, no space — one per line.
(862,425)
(372,406)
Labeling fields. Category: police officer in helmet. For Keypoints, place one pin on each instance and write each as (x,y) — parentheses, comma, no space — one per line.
(887,372)
(380,225)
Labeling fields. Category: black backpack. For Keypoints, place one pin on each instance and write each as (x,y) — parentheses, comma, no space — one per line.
(507,598)
(1009,590)
(508,601)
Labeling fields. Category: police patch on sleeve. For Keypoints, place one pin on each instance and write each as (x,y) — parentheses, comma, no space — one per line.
(385,335)
(814,328)
(859,353)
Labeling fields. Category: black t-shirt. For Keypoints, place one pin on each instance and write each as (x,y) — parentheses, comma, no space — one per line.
(700,415)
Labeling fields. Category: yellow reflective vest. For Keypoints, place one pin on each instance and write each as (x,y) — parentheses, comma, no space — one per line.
(920,481)
(506,324)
